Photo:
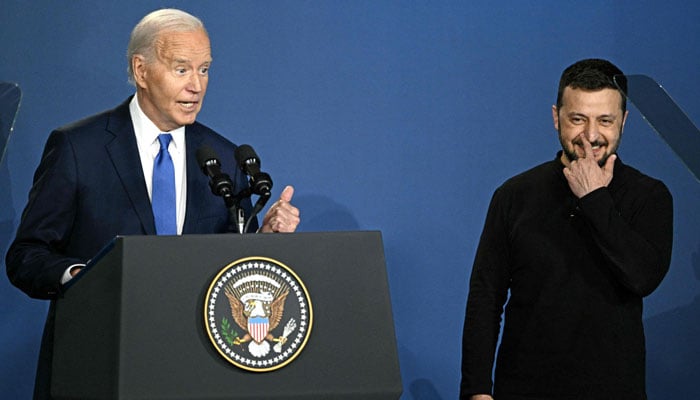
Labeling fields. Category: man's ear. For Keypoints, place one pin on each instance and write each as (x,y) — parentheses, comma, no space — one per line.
(555,117)
(140,68)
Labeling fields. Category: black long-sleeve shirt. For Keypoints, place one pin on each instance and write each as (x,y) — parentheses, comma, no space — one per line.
(573,272)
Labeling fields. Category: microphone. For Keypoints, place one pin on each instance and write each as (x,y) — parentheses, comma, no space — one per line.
(260,182)
(248,161)
(219,182)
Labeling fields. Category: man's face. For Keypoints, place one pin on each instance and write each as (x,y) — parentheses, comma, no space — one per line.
(171,88)
(595,114)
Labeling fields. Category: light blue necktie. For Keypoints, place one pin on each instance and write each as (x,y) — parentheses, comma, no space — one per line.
(163,199)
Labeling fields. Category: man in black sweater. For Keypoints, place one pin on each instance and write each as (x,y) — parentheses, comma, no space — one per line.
(572,245)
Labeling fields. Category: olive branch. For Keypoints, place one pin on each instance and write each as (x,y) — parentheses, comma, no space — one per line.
(227,332)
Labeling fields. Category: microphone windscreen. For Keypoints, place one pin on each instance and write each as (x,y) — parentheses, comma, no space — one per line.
(204,154)
(243,153)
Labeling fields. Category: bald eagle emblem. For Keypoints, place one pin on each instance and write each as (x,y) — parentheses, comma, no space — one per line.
(258,314)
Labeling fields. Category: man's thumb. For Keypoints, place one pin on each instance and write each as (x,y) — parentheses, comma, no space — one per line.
(610,164)
(287,194)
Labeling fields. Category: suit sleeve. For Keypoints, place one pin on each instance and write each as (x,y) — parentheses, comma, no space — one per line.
(35,260)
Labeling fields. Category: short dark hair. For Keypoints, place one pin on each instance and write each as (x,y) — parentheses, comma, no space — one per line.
(593,74)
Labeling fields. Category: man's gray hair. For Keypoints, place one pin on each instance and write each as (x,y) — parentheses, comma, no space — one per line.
(145,33)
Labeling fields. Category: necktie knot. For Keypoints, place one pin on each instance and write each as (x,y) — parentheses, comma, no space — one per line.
(164,139)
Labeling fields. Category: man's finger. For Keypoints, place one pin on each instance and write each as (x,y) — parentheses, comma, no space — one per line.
(587,147)
(287,194)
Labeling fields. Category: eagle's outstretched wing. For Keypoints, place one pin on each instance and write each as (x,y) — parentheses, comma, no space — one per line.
(237,311)
(277,310)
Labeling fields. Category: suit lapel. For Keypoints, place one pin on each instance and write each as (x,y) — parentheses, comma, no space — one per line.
(197,186)
(124,154)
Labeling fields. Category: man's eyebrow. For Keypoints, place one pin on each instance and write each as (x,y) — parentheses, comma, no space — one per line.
(580,114)
(185,60)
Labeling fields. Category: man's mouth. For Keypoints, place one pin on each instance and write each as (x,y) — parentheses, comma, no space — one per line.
(595,146)
(190,105)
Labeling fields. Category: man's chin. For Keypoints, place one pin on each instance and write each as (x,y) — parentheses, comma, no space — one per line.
(187,120)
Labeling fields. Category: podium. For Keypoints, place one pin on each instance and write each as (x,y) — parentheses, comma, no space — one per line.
(132,325)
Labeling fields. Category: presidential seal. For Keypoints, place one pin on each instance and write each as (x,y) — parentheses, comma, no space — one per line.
(258,314)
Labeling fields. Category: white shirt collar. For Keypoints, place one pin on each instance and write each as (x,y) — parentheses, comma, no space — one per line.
(147,132)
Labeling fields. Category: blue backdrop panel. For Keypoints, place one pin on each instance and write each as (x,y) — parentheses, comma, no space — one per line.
(400,116)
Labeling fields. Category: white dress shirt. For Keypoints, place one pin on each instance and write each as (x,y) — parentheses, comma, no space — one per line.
(147,141)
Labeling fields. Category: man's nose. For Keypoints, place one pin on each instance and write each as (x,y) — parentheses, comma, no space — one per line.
(591,132)
(195,84)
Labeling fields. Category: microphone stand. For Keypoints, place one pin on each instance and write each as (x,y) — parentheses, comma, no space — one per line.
(237,214)
(262,200)
(221,186)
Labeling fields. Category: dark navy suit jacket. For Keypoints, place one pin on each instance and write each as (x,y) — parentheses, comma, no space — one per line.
(88,188)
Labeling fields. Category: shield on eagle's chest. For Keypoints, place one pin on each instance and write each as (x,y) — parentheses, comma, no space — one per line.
(257,327)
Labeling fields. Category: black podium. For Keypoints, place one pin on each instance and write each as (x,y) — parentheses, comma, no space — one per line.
(132,327)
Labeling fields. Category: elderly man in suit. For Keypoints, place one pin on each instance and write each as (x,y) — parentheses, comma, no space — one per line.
(97,177)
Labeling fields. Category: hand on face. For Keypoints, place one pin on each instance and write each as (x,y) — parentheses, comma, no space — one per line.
(585,175)
(282,215)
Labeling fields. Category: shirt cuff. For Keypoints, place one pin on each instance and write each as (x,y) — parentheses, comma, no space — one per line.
(67,274)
